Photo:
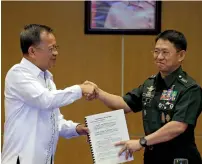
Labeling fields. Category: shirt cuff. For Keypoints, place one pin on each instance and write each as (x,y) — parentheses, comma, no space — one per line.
(73,132)
(77,90)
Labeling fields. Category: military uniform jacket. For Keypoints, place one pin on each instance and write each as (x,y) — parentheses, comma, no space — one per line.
(177,97)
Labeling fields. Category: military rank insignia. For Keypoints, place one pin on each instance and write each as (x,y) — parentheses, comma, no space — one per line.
(149,91)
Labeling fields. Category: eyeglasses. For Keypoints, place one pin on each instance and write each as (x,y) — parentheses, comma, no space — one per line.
(50,49)
(53,48)
(164,53)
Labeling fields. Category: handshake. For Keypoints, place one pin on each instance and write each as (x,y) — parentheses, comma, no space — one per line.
(90,90)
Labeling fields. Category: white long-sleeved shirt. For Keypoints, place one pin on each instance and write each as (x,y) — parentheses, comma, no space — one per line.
(33,121)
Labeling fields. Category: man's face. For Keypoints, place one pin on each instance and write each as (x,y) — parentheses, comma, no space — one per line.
(166,56)
(46,51)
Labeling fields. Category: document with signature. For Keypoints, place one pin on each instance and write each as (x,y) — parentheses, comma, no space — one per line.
(106,129)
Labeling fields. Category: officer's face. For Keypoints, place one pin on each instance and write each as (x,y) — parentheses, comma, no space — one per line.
(166,56)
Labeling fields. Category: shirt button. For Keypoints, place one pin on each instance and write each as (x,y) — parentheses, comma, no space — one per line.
(180,76)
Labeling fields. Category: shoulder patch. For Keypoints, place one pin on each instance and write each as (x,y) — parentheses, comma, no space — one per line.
(181,78)
(186,81)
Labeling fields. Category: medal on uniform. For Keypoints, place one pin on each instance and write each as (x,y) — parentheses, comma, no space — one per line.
(166,94)
(163,95)
(163,117)
(169,95)
(167,117)
(160,105)
(171,106)
(145,112)
(173,95)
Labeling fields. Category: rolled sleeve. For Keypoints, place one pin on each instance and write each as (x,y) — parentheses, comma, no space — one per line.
(134,99)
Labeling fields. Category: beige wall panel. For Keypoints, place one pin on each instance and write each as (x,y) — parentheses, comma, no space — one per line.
(98,58)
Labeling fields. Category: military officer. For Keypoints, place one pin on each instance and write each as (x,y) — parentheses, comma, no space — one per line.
(170,101)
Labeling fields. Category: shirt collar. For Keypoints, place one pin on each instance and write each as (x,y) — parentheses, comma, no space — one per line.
(34,69)
(172,76)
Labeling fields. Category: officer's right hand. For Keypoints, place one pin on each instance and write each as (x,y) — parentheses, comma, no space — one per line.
(96,91)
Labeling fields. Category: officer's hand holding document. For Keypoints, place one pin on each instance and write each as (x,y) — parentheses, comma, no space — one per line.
(107,129)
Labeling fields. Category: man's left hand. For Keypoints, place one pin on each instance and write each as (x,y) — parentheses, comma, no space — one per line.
(81,129)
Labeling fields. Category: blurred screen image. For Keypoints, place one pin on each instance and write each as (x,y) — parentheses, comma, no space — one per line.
(123,14)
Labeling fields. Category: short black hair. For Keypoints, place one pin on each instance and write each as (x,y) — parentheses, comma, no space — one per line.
(175,37)
(30,35)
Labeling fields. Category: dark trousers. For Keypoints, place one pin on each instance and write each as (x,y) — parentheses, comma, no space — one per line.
(159,155)
(153,157)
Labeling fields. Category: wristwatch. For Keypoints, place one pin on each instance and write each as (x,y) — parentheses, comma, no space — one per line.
(143,142)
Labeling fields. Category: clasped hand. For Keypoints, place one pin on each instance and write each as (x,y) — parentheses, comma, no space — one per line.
(89,90)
